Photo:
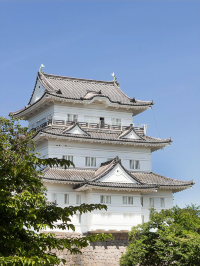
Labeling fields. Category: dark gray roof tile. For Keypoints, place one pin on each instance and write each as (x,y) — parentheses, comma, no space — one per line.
(95,134)
(92,177)
(76,88)
(152,178)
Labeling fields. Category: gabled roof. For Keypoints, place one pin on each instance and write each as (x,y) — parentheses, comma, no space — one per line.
(77,88)
(84,90)
(106,167)
(73,128)
(83,178)
(96,135)
(129,130)
(101,135)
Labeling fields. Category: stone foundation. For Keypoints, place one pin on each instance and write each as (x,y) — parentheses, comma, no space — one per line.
(97,253)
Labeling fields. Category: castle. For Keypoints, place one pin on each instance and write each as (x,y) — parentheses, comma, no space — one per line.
(90,122)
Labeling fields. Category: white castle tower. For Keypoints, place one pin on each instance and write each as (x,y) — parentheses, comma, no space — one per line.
(90,122)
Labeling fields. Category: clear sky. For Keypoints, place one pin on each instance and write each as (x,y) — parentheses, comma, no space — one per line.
(152,46)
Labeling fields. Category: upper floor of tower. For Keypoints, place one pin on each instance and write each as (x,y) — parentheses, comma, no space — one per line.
(91,110)
(97,102)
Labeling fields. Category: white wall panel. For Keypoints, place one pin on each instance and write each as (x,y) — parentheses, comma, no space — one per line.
(97,110)
(117,221)
(42,114)
(101,152)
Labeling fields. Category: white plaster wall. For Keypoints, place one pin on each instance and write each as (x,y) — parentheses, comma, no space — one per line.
(97,110)
(35,118)
(102,152)
(39,91)
(42,148)
(94,110)
(95,221)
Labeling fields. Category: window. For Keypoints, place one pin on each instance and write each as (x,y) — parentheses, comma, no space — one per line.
(137,164)
(87,161)
(151,202)
(78,199)
(102,121)
(162,202)
(68,157)
(71,118)
(105,199)
(93,161)
(127,200)
(116,122)
(141,200)
(91,119)
(134,164)
(66,198)
(142,218)
(90,161)
(55,197)
(78,217)
(106,215)
(128,215)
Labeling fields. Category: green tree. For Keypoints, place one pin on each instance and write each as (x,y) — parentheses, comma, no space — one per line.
(24,210)
(171,237)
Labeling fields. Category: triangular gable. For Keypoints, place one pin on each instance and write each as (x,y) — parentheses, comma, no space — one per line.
(75,129)
(131,135)
(38,92)
(117,175)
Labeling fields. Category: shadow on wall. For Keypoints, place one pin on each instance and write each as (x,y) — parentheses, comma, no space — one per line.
(119,240)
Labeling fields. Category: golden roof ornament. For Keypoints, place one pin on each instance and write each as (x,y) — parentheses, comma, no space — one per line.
(113,75)
(40,70)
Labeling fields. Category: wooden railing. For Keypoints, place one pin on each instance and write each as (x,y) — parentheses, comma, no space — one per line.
(140,129)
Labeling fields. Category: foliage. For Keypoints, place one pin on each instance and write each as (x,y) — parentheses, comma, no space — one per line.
(24,210)
(171,237)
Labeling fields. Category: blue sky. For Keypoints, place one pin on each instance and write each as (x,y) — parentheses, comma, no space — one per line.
(152,46)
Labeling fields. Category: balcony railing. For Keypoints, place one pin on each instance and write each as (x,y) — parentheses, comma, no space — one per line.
(139,128)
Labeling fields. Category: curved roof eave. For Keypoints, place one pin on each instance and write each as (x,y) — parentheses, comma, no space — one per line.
(26,109)
(89,139)
(50,90)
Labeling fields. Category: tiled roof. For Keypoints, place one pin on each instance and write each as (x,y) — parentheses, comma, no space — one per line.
(102,135)
(152,178)
(70,174)
(120,185)
(84,89)
(76,89)
(90,177)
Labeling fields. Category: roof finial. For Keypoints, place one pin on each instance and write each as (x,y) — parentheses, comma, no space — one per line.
(41,68)
(113,75)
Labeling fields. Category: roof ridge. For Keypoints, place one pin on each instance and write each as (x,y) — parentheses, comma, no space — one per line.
(79,79)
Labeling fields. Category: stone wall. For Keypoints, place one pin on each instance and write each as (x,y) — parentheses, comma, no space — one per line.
(96,254)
